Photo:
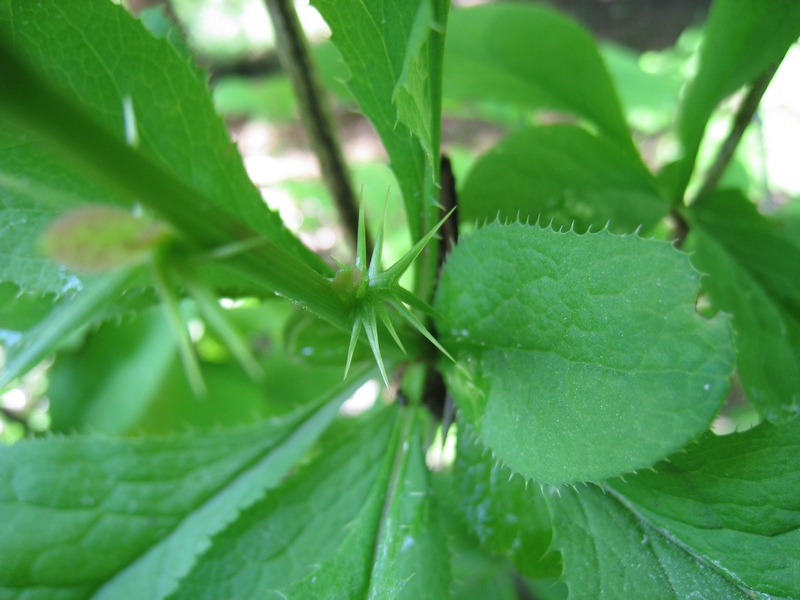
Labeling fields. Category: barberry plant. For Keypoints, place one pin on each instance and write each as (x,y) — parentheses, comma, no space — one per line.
(585,318)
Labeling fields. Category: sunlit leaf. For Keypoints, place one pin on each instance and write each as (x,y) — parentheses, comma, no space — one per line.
(581,356)
(126,518)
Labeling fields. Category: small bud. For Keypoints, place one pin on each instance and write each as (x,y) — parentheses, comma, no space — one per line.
(347,281)
(98,238)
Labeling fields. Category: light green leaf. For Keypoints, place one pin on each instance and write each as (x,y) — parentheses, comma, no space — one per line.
(743,38)
(734,501)
(20,311)
(582,356)
(533,58)
(787,221)
(108,384)
(282,538)
(103,73)
(65,318)
(648,98)
(413,94)
(411,560)
(394,53)
(115,518)
(754,275)
(34,189)
(608,552)
(565,175)
(355,522)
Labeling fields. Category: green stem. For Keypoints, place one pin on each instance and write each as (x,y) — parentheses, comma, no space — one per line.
(296,61)
(425,284)
(27,101)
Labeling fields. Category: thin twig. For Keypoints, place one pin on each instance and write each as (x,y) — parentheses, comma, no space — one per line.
(744,116)
(295,57)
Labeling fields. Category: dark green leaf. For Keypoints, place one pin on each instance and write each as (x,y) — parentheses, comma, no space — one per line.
(355,522)
(733,501)
(477,574)
(581,356)
(565,175)
(608,552)
(112,518)
(753,274)
(533,58)
(743,38)
(499,510)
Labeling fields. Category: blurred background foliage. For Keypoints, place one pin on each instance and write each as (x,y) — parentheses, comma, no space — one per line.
(650,49)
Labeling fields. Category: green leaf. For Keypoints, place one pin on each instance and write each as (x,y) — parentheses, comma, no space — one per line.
(754,274)
(734,501)
(99,153)
(477,574)
(115,518)
(20,311)
(743,38)
(393,51)
(107,385)
(34,189)
(355,522)
(608,552)
(280,539)
(168,101)
(565,175)
(232,398)
(787,221)
(532,58)
(500,511)
(411,560)
(581,356)
(64,319)
(648,98)
(417,91)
